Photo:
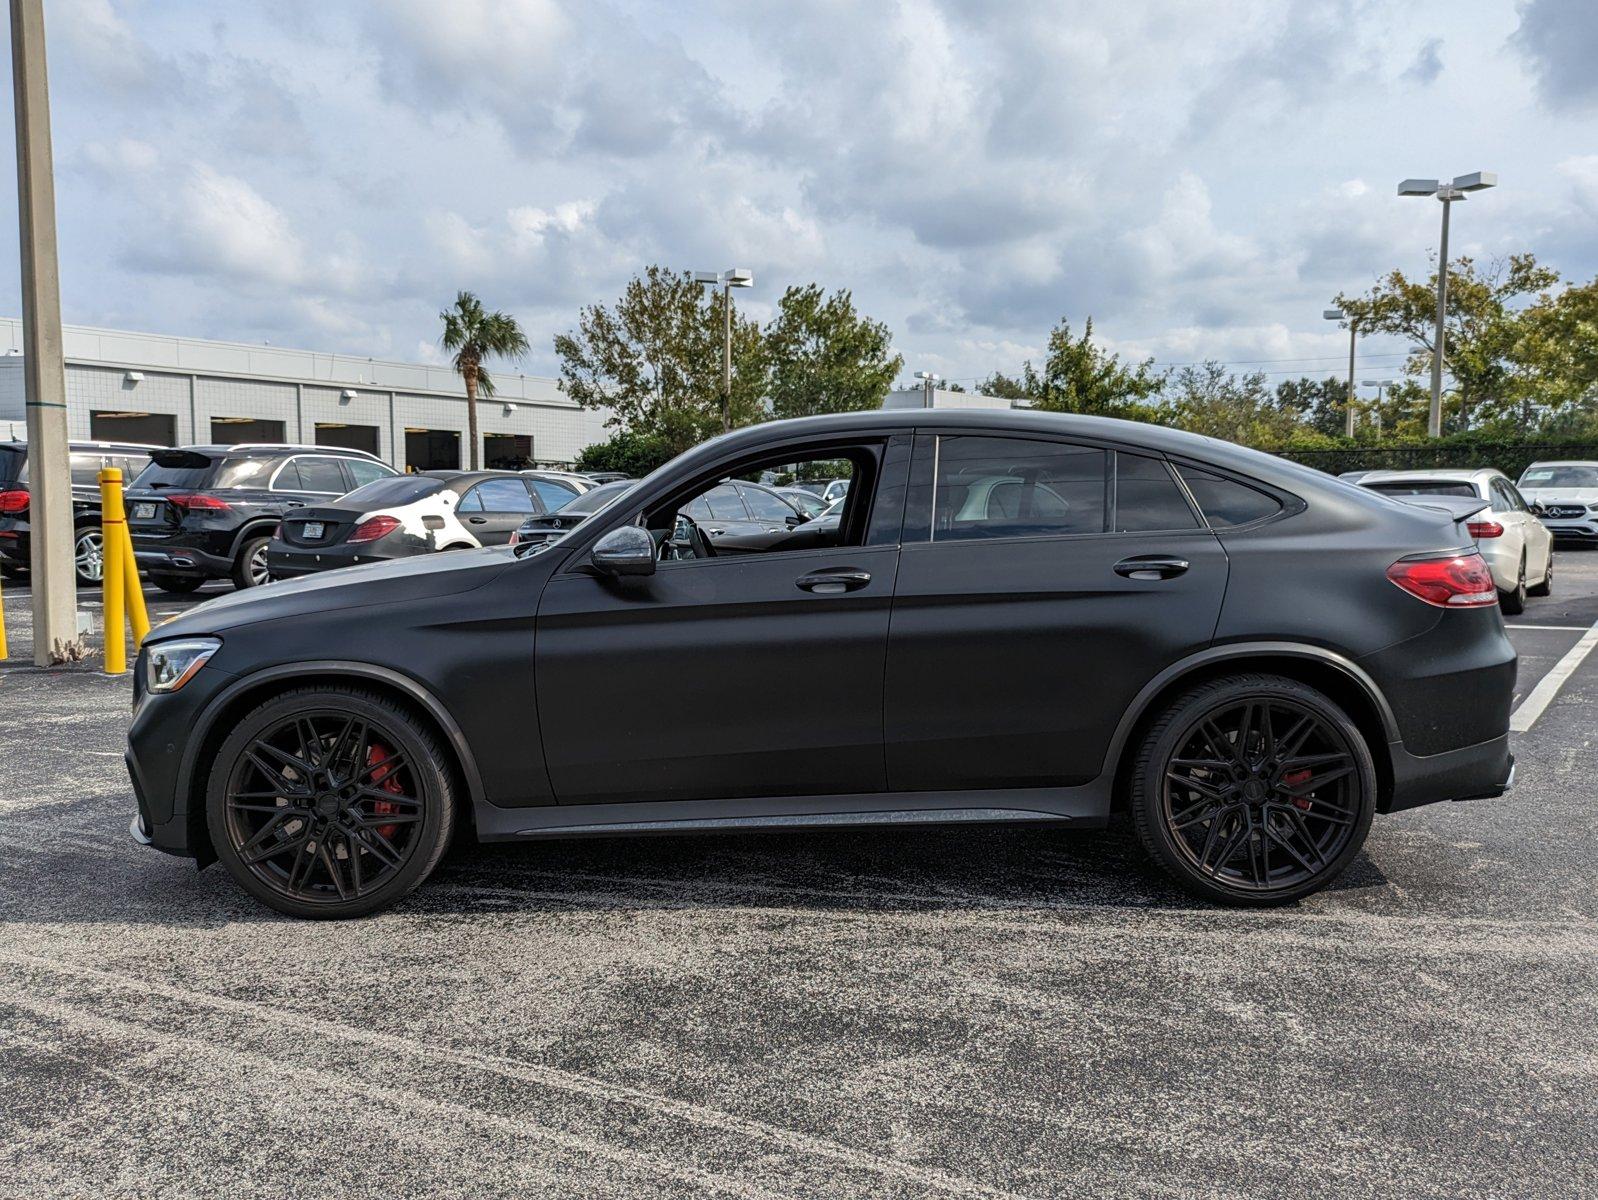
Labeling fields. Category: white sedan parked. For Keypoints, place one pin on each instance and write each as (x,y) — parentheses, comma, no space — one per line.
(1516,545)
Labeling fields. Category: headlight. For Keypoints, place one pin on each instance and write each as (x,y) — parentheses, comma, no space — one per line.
(169,665)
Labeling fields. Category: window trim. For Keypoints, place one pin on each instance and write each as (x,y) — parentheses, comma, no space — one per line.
(1291,504)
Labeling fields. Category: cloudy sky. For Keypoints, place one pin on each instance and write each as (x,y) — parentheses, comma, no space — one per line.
(1201,177)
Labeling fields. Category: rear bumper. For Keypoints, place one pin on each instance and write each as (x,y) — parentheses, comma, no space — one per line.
(181,560)
(286,562)
(1479,772)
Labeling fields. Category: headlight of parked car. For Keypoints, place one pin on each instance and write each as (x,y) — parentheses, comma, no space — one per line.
(170,665)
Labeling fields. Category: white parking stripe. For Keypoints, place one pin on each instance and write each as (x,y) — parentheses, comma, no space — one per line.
(1524,717)
(1559,628)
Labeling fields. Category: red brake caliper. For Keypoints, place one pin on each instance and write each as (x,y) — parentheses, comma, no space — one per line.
(387,781)
(1294,779)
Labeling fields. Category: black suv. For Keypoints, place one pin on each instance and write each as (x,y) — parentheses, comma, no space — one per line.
(87,460)
(207,512)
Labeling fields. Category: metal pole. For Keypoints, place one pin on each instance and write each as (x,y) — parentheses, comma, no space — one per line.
(726,356)
(55,584)
(1434,425)
(1353,337)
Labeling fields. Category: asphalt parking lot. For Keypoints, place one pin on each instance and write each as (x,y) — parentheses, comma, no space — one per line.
(980,1012)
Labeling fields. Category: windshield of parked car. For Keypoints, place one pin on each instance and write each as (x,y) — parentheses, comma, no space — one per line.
(215,475)
(1422,487)
(1577,476)
(392,491)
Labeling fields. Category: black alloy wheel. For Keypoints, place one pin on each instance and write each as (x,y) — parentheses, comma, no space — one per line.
(1254,790)
(329,803)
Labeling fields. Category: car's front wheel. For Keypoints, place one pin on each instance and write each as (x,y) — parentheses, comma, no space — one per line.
(330,802)
(1253,789)
(249,567)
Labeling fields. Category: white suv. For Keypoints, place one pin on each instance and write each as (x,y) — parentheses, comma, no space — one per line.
(1566,495)
(1516,545)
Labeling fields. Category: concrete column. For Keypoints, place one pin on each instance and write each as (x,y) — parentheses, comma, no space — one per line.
(54,580)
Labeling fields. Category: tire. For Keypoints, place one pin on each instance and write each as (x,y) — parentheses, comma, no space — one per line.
(1214,842)
(249,566)
(178,585)
(1546,587)
(331,839)
(88,555)
(1514,602)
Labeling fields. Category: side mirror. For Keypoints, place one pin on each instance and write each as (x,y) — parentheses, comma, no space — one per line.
(1537,510)
(628,550)
(795,520)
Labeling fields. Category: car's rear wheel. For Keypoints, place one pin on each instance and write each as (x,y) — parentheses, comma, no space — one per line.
(1253,790)
(178,585)
(1546,587)
(249,567)
(1513,602)
(88,555)
(329,802)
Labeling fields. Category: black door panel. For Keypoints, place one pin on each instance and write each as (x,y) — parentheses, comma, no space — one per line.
(1011,661)
(662,687)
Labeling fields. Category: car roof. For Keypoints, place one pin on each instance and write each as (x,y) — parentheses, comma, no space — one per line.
(215,450)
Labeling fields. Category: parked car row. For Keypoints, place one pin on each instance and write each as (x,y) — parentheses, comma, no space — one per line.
(253,512)
(1515,527)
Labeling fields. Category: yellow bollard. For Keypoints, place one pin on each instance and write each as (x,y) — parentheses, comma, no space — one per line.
(138,616)
(113,524)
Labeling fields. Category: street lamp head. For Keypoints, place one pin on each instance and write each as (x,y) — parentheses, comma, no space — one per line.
(1378,383)
(710,278)
(1418,187)
(740,277)
(928,376)
(1333,314)
(1476,181)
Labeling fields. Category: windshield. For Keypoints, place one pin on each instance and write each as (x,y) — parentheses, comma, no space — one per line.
(588,505)
(1579,475)
(228,473)
(390,491)
(1423,487)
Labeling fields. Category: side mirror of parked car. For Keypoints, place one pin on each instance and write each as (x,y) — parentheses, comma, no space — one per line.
(796,520)
(1537,510)
(628,550)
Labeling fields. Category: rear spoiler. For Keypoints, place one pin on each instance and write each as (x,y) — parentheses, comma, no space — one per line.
(180,458)
(1458,507)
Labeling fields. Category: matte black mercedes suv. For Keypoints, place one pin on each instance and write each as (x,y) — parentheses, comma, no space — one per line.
(198,513)
(1022,617)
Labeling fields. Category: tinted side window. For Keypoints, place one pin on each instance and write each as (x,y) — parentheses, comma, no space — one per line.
(321,475)
(764,506)
(698,510)
(1225,502)
(288,479)
(1147,498)
(724,504)
(503,496)
(553,495)
(363,472)
(988,487)
(86,467)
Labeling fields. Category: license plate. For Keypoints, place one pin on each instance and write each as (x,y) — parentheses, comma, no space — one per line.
(313,530)
(143,512)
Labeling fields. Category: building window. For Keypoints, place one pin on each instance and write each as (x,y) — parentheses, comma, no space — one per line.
(150,429)
(351,437)
(507,451)
(231,431)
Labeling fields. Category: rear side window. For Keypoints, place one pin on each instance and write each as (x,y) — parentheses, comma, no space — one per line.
(319,475)
(13,464)
(498,496)
(994,487)
(1225,502)
(554,495)
(1147,497)
(363,472)
(724,504)
(764,506)
(86,467)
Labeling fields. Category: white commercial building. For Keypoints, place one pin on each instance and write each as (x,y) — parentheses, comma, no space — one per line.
(174,391)
(916,397)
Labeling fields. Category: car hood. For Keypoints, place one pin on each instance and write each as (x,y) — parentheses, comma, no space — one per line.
(1561,495)
(418,578)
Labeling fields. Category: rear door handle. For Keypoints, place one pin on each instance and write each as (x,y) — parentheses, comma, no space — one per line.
(833,581)
(477,520)
(1151,566)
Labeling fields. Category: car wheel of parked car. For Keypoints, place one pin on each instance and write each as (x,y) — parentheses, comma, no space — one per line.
(249,568)
(88,555)
(1254,790)
(1546,587)
(329,802)
(178,585)
(1514,602)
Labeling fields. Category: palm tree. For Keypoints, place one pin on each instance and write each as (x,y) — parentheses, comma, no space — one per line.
(475,335)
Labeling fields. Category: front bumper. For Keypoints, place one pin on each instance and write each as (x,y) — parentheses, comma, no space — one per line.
(1573,531)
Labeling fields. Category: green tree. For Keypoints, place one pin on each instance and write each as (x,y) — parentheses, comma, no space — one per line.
(1482,330)
(824,357)
(1209,399)
(475,335)
(1316,404)
(1081,377)
(635,454)
(654,360)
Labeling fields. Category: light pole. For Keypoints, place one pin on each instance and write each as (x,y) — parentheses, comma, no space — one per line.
(1381,385)
(929,387)
(1447,193)
(733,277)
(1337,314)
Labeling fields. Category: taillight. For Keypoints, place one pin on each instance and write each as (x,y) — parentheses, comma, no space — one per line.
(197,502)
(373,528)
(1458,581)
(14,500)
(1481,529)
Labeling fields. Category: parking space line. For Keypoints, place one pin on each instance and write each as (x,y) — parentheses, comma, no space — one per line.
(1556,628)
(1541,696)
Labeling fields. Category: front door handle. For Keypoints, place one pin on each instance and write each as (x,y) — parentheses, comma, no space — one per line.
(1151,566)
(714,532)
(477,520)
(833,581)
